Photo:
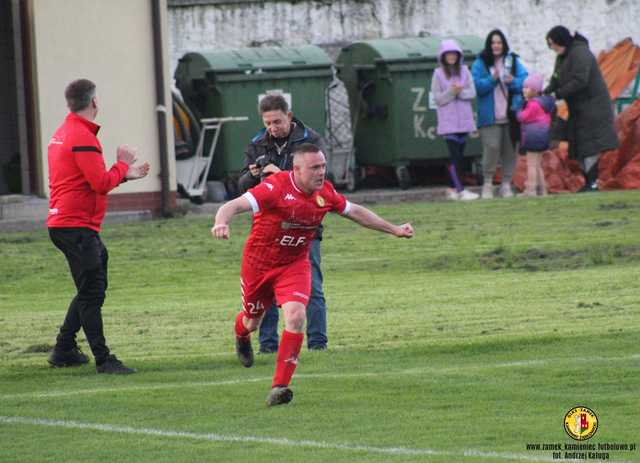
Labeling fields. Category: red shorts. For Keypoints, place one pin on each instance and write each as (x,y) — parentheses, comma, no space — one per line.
(289,283)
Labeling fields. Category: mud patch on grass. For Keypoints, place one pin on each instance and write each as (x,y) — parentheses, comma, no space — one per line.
(17,240)
(491,331)
(496,259)
(609,223)
(618,205)
(588,305)
(534,259)
(38,348)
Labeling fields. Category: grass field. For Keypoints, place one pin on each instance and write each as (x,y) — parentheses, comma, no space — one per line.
(464,344)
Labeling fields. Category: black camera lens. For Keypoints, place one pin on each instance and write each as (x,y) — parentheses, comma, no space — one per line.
(262,161)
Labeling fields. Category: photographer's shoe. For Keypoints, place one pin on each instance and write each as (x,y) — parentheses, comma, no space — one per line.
(268,349)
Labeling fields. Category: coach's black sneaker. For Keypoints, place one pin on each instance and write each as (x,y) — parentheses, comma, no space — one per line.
(113,366)
(244,351)
(67,358)
(279,395)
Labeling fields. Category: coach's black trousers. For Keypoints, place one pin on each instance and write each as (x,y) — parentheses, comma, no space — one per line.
(87,258)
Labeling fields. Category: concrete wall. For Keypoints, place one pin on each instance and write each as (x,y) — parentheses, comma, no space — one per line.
(331,24)
(110,43)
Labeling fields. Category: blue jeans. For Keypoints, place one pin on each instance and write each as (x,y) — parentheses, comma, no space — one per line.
(316,311)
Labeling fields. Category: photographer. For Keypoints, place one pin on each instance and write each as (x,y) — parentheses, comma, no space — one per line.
(270,151)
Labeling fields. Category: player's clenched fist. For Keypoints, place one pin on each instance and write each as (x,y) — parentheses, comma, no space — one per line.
(405,231)
(220,232)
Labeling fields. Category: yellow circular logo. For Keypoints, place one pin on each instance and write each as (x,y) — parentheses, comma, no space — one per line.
(581,423)
(320,201)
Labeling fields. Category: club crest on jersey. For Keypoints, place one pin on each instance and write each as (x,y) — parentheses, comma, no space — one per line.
(320,201)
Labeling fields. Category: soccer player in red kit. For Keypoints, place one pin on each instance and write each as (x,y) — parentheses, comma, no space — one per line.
(288,207)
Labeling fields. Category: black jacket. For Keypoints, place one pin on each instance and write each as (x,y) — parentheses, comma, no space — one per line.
(262,145)
(578,80)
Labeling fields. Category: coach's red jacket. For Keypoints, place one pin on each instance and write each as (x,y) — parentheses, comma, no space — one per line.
(78,179)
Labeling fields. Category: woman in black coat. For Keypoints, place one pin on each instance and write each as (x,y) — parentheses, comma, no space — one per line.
(578,80)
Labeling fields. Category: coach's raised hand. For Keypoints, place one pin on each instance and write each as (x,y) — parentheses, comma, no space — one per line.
(126,154)
(139,171)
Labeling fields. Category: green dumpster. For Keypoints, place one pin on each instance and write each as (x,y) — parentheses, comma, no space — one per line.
(393,118)
(231,82)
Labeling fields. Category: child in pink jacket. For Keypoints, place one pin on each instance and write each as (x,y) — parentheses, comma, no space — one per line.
(535,125)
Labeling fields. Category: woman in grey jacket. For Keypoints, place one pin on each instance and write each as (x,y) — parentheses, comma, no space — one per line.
(578,80)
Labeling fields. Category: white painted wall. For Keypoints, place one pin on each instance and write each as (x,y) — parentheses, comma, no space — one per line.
(332,24)
(110,43)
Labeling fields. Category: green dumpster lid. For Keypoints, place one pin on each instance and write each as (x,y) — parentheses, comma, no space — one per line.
(244,59)
(410,49)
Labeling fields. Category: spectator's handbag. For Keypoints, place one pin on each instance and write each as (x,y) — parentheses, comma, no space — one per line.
(514,124)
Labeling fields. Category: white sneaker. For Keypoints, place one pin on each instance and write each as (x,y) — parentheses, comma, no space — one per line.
(452,194)
(487,191)
(466,195)
(505,191)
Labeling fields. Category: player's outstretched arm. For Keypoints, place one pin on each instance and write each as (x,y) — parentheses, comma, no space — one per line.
(369,219)
(220,228)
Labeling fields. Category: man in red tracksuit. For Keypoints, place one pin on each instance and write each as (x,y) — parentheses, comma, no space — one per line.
(78,184)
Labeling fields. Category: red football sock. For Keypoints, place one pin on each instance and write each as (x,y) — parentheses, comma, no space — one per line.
(241,330)
(287,358)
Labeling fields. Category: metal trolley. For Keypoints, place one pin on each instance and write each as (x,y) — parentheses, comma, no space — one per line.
(192,173)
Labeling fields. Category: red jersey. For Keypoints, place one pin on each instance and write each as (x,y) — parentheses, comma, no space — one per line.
(78,179)
(286,219)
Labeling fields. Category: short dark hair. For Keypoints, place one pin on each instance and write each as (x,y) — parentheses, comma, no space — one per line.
(487,54)
(560,35)
(273,102)
(79,94)
(306,148)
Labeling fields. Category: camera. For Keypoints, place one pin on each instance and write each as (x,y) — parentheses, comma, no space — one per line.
(261,163)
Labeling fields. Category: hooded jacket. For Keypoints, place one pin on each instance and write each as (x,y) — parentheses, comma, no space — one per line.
(485,86)
(535,123)
(578,80)
(455,113)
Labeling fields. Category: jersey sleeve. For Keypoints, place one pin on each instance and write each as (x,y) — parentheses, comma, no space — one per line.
(262,196)
(88,155)
(338,202)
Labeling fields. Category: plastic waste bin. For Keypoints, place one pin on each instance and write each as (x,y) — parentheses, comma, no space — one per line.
(393,116)
(231,83)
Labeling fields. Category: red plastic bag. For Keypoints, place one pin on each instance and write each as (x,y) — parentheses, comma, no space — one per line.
(620,169)
(562,175)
